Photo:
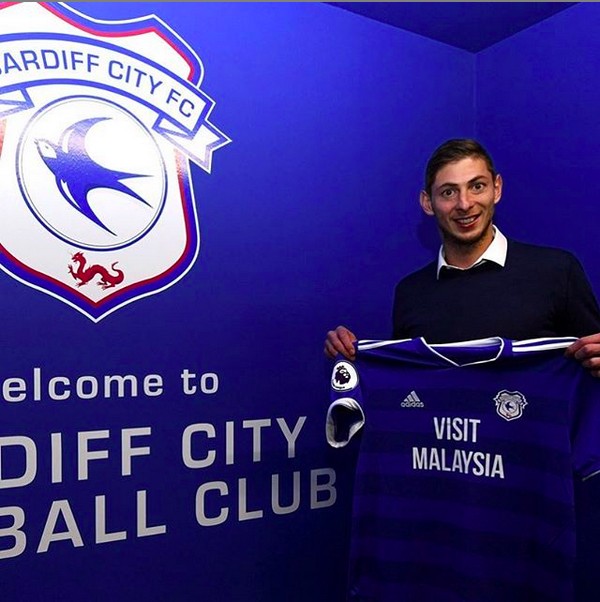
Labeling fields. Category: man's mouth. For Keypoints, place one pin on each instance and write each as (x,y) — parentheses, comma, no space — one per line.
(466,221)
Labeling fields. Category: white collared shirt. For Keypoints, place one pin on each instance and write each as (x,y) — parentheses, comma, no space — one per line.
(496,253)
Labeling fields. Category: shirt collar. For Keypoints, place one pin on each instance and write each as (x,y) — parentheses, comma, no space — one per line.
(495,253)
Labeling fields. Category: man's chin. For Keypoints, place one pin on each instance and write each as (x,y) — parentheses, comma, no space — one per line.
(466,239)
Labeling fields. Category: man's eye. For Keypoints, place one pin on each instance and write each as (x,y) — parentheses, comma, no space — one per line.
(478,186)
(448,192)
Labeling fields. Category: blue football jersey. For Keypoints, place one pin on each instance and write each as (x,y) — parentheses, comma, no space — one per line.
(464,484)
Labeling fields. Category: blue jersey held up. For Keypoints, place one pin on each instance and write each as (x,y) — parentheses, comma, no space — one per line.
(464,485)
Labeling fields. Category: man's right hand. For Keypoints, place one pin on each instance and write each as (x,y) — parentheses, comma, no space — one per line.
(340,340)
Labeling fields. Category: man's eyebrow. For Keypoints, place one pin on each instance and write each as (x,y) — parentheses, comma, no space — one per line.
(471,181)
(482,176)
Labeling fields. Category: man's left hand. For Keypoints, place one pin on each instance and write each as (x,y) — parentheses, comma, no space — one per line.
(587,351)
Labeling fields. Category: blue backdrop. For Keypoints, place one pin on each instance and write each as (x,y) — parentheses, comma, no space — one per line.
(537,99)
(308,219)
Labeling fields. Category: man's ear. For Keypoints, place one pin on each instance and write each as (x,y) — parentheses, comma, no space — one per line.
(497,189)
(425,201)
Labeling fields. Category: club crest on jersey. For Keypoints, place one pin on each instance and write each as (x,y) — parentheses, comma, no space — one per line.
(99,123)
(344,377)
(510,404)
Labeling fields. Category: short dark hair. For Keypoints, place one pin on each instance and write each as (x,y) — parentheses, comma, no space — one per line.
(455,150)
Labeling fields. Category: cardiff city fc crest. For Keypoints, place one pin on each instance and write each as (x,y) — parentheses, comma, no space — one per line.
(510,404)
(99,122)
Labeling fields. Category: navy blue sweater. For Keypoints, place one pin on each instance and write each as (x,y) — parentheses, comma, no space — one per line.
(540,292)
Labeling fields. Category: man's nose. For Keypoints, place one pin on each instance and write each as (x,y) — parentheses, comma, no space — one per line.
(463,200)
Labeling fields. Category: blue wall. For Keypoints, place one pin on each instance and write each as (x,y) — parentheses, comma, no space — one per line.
(538,94)
(537,99)
(308,219)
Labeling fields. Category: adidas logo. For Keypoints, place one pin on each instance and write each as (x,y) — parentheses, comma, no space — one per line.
(412,401)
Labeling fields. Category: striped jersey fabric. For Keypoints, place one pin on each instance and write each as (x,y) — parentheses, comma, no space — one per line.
(464,480)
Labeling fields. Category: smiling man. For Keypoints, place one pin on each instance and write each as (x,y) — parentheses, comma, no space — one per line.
(462,195)
(483,284)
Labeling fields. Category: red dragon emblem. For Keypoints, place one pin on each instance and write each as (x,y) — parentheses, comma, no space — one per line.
(84,274)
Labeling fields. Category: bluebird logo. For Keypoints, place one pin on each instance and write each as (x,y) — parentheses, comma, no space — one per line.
(102,120)
(68,159)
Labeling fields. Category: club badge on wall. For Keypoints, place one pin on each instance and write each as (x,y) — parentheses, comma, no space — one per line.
(99,122)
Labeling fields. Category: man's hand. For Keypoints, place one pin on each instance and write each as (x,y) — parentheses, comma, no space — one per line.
(587,351)
(341,341)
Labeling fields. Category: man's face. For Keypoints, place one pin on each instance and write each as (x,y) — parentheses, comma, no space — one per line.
(463,197)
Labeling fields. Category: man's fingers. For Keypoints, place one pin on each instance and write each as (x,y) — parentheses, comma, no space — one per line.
(578,348)
(587,352)
(330,350)
(347,339)
(340,340)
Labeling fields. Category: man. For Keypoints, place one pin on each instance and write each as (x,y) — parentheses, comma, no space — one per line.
(483,284)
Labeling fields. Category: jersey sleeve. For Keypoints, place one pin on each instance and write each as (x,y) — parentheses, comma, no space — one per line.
(585,427)
(345,416)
